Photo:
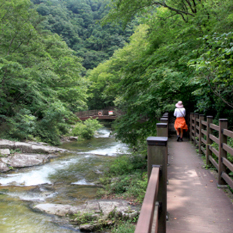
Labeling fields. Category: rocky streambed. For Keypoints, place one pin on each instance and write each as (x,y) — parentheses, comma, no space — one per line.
(92,215)
(50,189)
(22,154)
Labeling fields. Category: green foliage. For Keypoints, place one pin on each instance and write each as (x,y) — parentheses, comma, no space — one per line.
(86,129)
(126,177)
(40,78)
(77,23)
(230,143)
(22,125)
(182,52)
(124,227)
(127,9)
(82,218)
(215,64)
(126,164)
(129,186)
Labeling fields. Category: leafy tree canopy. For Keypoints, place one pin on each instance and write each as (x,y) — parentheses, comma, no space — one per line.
(180,56)
(40,78)
(77,23)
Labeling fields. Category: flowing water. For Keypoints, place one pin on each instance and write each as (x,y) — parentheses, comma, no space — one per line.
(69,179)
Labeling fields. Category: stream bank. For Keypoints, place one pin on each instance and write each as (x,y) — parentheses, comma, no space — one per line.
(68,179)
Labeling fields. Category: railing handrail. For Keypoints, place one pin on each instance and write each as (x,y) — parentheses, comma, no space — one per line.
(198,133)
(154,208)
(96,112)
(149,210)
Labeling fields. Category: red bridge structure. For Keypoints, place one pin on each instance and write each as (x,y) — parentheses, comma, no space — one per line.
(104,114)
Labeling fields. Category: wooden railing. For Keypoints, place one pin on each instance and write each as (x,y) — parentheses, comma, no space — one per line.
(154,208)
(212,141)
(150,209)
(88,113)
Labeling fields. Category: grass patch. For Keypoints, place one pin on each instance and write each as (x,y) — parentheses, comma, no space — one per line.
(124,227)
(126,178)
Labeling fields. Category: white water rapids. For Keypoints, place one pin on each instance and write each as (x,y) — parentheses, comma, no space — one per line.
(40,175)
(69,179)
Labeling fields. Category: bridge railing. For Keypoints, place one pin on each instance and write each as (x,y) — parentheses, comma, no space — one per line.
(96,112)
(213,141)
(154,208)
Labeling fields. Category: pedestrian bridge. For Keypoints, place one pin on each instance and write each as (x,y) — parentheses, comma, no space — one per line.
(100,114)
(182,195)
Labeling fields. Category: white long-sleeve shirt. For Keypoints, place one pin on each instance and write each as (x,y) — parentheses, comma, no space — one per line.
(179,112)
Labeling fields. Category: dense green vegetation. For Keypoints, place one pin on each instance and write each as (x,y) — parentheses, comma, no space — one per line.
(86,129)
(77,23)
(43,49)
(182,51)
(41,85)
(126,177)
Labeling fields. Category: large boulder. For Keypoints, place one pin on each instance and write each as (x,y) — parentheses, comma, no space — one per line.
(27,160)
(5,152)
(25,147)
(6,144)
(99,212)
(4,167)
(55,209)
(30,154)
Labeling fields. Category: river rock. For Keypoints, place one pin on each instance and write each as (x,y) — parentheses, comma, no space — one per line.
(6,144)
(23,147)
(29,147)
(99,210)
(28,160)
(22,160)
(55,209)
(3,167)
(5,152)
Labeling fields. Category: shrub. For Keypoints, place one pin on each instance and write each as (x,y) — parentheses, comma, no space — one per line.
(86,129)
(125,164)
(22,125)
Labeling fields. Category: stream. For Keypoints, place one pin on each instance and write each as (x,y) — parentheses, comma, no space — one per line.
(69,179)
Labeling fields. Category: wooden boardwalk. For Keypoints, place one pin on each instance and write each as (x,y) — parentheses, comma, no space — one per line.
(194,203)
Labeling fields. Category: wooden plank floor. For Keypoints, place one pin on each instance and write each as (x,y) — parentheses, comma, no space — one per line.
(194,202)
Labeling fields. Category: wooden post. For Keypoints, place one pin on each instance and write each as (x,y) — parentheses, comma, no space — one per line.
(195,128)
(201,118)
(223,123)
(162,129)
(166,114)
(162,132)
(165,120)
(157,156)
(208,141)
(190,126)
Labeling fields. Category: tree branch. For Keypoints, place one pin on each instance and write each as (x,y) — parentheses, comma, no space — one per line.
(218,94)
(172,9)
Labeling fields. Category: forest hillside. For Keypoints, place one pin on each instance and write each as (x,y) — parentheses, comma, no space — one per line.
(78,23)
(46,47)
(180,50)
(183,50)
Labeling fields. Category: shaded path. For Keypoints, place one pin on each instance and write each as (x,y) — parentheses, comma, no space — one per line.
(194,202)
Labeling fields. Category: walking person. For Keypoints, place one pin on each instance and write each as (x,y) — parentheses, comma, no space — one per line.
(180,123)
